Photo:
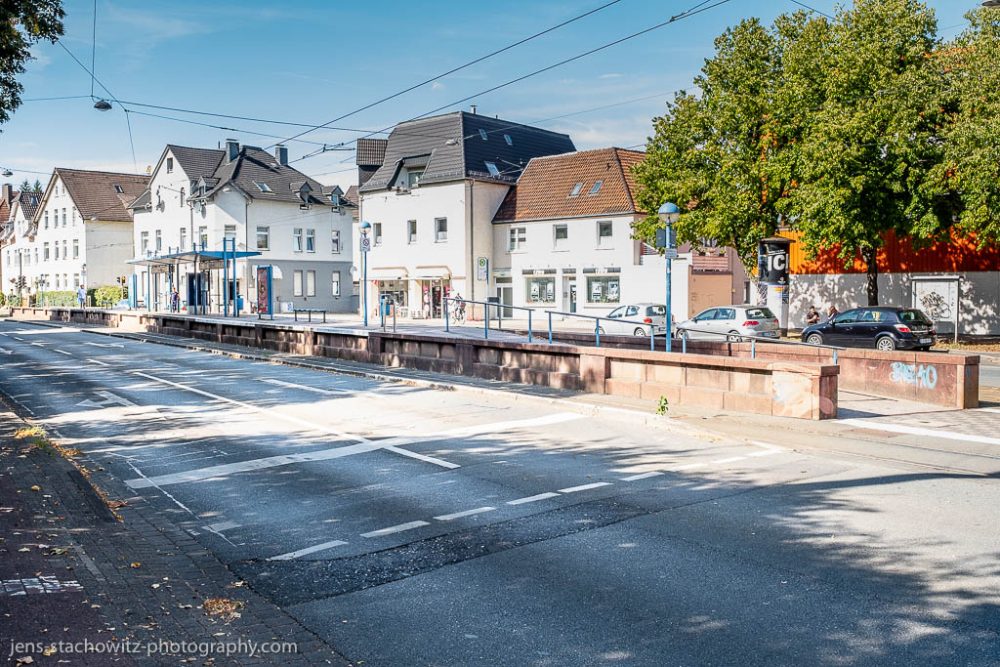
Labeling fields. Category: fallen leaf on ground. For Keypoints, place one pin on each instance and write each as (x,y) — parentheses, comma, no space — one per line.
(49,650)
(35,487)
(26,660)
(136,565)
(224,607)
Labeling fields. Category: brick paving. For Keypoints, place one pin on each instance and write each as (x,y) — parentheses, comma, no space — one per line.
(73,574)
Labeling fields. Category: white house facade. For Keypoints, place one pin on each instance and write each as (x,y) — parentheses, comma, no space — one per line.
(198,197)
(431,202)
(79,234)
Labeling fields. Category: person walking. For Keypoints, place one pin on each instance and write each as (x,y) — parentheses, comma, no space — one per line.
(81,296)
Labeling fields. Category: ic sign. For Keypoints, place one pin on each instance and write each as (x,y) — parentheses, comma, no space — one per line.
(772,261)
(366,244)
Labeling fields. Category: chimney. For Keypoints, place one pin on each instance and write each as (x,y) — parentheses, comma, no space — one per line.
(232,149)
(8,192)
(281,154)
(473,108)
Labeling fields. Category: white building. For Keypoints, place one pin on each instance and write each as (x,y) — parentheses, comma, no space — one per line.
(197,197)
(79,233)
(563,241)
(431,204)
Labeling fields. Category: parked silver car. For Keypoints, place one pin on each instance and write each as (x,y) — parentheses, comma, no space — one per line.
(731,323)
(634,320)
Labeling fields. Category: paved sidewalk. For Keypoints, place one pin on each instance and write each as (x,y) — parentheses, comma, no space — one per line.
(73,572)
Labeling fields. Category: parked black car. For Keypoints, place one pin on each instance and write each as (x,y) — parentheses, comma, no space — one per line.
(882,328)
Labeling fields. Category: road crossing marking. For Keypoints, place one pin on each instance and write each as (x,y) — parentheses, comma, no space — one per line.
(642,475)
(309,550)
(109,399)
(396,529)
(324,392)
(916,430)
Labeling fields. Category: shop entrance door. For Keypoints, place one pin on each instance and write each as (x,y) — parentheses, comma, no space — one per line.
(505,293)
(572,296)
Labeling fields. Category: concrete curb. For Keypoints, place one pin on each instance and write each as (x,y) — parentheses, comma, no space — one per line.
(588,409)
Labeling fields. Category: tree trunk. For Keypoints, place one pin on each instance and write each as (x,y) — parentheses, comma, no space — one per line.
(870,256)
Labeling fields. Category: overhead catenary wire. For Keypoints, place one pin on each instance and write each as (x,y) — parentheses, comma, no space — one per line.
(458,68)
(693,11)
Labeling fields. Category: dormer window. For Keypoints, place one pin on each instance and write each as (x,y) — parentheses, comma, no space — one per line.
(597,188)
(575,192)
(413,177)
(492,168)
(483,134)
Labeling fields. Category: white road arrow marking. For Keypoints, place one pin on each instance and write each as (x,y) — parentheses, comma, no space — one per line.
(109,399)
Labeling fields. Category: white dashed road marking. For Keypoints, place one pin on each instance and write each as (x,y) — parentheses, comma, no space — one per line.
(309,550)
(584,487)
(532,499)
(396,529)
(642,475)
(459,515)
(916,430)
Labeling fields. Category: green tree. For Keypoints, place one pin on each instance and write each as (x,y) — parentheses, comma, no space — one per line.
(25,186)
(867,158)
(725,156)
(37,187)
(968,177)
(22,24)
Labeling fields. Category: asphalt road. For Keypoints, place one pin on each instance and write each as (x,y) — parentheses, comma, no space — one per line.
(409,526)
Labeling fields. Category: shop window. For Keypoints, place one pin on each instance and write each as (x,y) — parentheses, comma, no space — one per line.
(603,289)
(540,290)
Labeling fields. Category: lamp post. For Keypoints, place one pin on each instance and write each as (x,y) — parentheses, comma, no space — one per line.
(365,227)
(669,214)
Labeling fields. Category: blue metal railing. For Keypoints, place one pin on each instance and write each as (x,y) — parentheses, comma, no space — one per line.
(753,341)
(499,307)
(597,325)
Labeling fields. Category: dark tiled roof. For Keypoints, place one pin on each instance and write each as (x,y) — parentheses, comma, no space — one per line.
(96,195)
(29,203)
(544,189)
(371,152)
(197,162)
(254,165)
(145,199)
(352,195)
(451,147)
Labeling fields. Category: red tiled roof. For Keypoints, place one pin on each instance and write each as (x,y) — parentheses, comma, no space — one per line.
(545,189)
(101,194)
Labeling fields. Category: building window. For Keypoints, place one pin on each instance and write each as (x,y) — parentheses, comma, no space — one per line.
(184,238)
(203,237)
(411,231)
(55,250)
(159,240)
(576,190)
(335,241)
(335,283)
(297,283)
(440,229)
(229,232)
(64,217)
(377,233)
(492,168)
(596,188)
(604,234)
(46,220)
(57,281)
(170,165)
(76,280)
(263,238)
(311,241)
(510,142)
(119,189)
(483,134)
(540,290)
(45,251)
(517,239)
(603,289)
(560,236)
(310,283)
(76,248)
(297,240)
(143,242)
(413,178)
(180,200)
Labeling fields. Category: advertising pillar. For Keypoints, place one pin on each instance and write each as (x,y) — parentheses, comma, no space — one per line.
(772,274)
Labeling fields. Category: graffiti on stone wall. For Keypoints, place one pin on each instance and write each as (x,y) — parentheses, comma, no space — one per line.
(924,377)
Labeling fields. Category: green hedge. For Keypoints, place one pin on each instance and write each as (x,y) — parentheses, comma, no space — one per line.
(105,296)
(56,298)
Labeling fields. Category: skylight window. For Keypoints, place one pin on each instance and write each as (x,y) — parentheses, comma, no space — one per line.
(483,134)
(510,142)
(597,188)
(576,190)
(119,189)
(263,187)
(492,168)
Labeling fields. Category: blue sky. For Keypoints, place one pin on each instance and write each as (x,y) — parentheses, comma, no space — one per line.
(309,62)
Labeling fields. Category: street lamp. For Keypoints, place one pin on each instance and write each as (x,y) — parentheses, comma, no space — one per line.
(669,214)
(991,3)
(365,227)
(102,105)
